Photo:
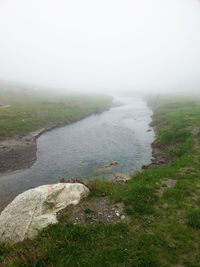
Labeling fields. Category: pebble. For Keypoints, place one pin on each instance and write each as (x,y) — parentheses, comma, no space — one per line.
(123,217)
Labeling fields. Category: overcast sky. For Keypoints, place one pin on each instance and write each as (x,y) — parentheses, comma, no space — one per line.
(101,45)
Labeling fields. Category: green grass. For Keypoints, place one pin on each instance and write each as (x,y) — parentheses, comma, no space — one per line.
(194,219)
(32,111)
(99,245)
(164,229)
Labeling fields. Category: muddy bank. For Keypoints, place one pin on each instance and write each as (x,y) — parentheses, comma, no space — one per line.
(160,156)
(19,152)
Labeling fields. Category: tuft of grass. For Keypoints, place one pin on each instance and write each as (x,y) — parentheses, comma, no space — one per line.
(173,137)
(194,219)
(180,192)
(140,199)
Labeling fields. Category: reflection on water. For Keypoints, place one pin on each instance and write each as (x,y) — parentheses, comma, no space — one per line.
(77,150)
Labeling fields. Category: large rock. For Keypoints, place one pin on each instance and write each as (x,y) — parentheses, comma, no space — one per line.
(36,208)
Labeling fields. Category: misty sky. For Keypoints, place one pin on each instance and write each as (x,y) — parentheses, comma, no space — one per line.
(101,45)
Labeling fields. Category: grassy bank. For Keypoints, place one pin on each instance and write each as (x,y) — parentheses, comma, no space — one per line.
(163,203)
(30,110)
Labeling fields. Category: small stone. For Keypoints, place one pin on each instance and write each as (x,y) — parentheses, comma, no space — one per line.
(117,213)
(123,217)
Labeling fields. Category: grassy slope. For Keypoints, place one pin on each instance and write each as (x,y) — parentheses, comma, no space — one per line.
(164,230)
(30,111)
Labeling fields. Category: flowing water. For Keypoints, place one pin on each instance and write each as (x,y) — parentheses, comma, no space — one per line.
(121,134)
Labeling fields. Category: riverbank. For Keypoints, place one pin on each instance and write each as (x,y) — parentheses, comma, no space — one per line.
(162,203)
(26,119)
(18,153)
(120,134)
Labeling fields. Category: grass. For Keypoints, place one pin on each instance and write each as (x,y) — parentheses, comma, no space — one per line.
(30,110)
(163,229)
(194,219)
(99,245)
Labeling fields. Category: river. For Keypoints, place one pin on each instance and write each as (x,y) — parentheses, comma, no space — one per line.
(120,134)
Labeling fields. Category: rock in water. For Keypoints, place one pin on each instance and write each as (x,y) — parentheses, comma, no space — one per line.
(36,208)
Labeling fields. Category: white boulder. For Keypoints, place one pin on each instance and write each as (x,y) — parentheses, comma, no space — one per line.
(36,208)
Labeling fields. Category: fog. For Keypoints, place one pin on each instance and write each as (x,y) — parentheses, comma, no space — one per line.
(101,46)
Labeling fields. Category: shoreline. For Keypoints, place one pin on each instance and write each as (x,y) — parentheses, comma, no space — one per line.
(20,152)
(160,157)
